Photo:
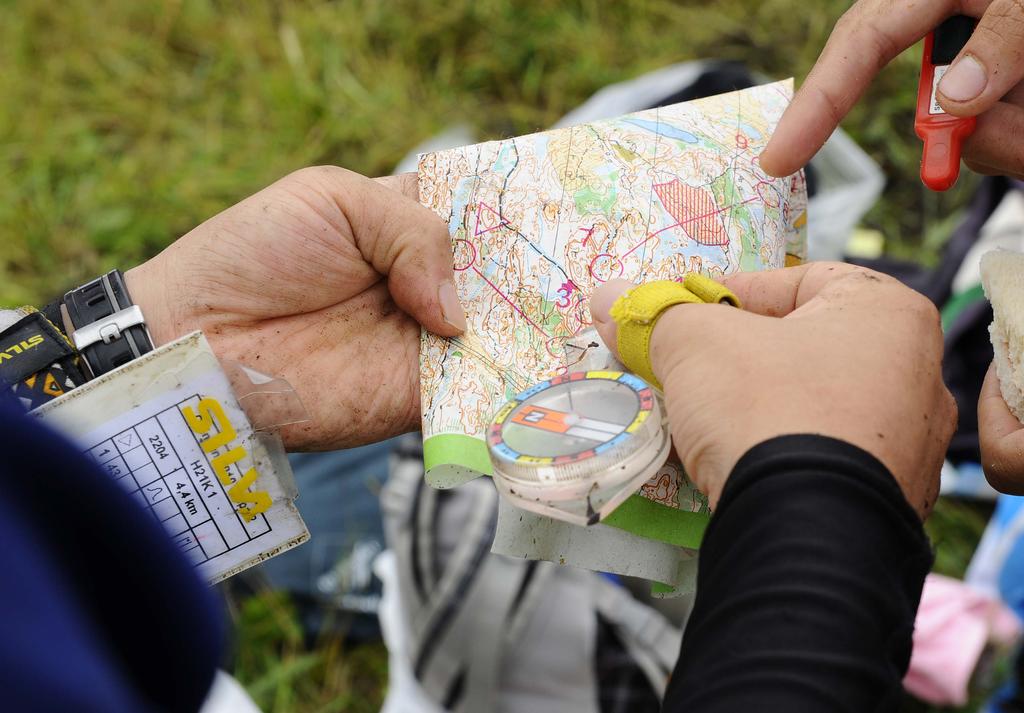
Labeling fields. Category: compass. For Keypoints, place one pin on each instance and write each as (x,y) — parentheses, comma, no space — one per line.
(576,446)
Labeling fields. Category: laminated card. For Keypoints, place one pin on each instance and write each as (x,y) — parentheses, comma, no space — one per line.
(168,428)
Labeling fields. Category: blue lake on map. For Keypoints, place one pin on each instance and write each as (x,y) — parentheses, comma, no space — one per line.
(663,129)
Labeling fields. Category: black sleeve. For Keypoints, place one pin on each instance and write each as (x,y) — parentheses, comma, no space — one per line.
(810,575)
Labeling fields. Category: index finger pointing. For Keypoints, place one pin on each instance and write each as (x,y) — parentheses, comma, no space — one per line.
(865,39)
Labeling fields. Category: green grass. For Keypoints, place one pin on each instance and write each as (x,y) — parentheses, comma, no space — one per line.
(285,673)
(124,123)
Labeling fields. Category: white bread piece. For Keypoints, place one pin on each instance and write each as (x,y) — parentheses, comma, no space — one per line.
(1002,276)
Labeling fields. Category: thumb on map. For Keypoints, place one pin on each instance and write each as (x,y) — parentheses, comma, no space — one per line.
(675,327)
(600,311)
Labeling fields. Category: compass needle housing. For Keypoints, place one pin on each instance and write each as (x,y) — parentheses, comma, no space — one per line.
(576,446)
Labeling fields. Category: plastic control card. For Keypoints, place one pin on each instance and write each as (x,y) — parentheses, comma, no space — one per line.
(168,428)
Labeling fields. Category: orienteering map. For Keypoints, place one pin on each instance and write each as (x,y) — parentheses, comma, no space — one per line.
(538,221)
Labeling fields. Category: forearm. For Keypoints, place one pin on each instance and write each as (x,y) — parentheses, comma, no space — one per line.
(810,575)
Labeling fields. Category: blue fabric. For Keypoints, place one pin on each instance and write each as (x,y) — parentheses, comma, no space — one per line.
(1007,507)
(100,611)
(1011,578)
(1007,558)
(338,492)
(331,578)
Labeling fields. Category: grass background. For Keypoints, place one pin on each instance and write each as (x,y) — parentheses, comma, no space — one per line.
(124,123)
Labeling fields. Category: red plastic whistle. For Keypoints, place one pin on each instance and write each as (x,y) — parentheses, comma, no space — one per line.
(943,134)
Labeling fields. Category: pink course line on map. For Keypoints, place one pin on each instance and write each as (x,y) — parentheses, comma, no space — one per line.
(501,220)
(690,220)
(513,304)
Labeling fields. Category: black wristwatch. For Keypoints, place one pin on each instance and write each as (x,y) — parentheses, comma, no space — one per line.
(103,323)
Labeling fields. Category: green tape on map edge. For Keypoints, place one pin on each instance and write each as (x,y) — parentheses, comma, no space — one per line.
(655,521)
(456,449)
(637,514)
(660,589)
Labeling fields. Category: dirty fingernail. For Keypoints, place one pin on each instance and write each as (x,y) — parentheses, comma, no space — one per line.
(964,80)
(451,308)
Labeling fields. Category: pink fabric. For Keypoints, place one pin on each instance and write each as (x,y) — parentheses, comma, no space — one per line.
(954,623)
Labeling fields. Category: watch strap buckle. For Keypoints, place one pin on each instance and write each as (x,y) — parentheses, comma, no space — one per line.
(107,329)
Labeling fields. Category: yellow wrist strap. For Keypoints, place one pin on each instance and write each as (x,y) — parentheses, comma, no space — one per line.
(637,311)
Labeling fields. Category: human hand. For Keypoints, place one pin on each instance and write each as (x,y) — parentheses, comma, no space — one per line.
(983,81)
(1002,439)
(321,279)
(825,348)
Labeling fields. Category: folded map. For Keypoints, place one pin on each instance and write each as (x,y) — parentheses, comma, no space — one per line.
(538,221)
